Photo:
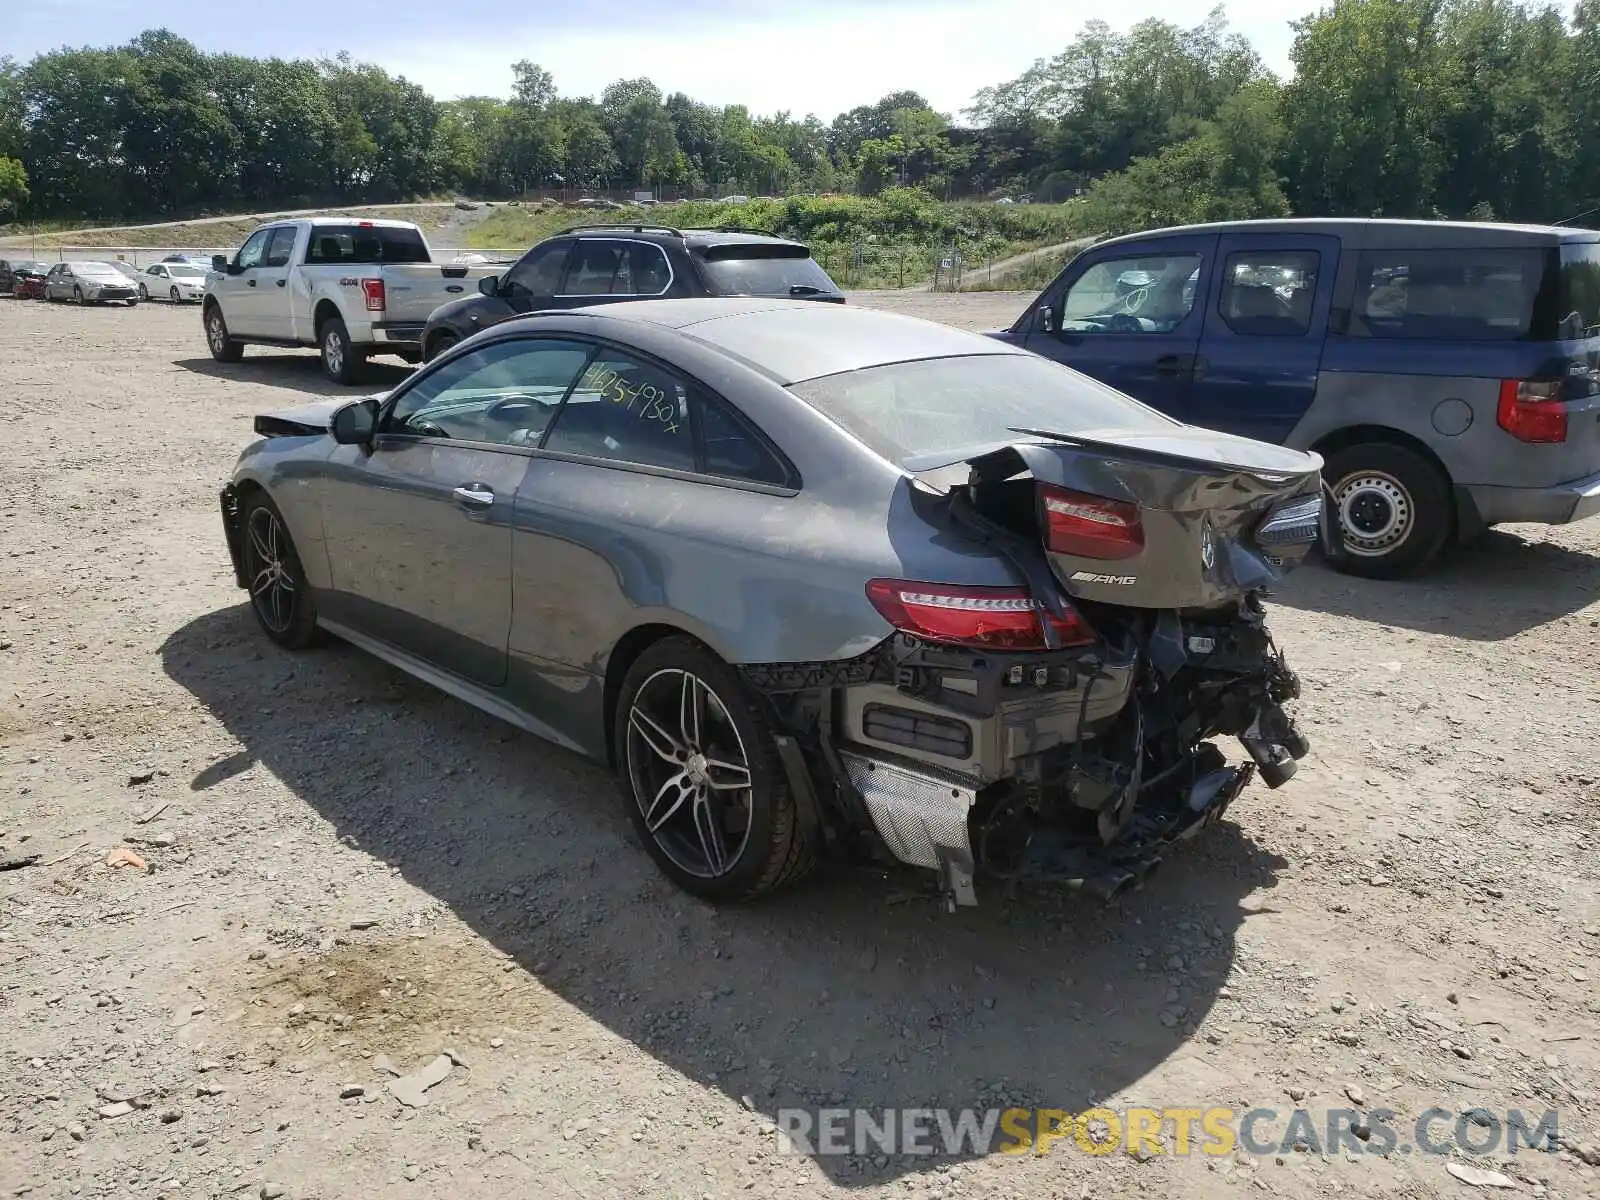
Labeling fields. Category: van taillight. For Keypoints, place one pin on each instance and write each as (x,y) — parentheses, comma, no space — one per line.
(1089,526)
(1532,412)
(374,290)
(993,618)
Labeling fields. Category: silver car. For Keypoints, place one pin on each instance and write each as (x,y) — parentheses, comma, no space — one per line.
(810,578)
(89,283)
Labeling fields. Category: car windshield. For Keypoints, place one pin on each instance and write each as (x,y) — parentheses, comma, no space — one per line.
(94,268)
(927,406)
(185,271)
(764,270)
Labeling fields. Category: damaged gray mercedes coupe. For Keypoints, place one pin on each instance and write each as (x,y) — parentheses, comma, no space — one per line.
(811,580)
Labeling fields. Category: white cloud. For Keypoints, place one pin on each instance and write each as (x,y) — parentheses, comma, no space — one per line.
(820,60)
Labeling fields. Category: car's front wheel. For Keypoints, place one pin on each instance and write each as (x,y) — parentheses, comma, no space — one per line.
(280,597)
(440,343)
(77,295)
(223,348)
(174,297)
(1392,506)
(701,779)
(144,292)
(340,360)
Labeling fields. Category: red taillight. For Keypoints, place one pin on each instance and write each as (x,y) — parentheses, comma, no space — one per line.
(1089,526)
(374,290)
(1532,412)
(992,617)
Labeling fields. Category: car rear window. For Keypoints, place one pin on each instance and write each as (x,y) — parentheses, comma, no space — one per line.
(758,270)
(1577,312)
(366,244)
(927,406)
(1486,294)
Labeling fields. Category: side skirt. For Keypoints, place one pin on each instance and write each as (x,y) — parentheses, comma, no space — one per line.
(474,695)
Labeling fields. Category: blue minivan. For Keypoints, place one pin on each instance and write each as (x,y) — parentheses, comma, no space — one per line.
(1448,372)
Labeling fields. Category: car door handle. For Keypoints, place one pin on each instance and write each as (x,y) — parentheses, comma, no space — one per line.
(474,495)
(1173,364)
(251,282)
(283,283)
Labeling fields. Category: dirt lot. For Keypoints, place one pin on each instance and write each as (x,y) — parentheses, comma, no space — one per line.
(350,871)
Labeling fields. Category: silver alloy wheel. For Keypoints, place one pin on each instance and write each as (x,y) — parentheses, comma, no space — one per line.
(1376,512)
(333,350)
(217,331)
(266,566)
(689,772)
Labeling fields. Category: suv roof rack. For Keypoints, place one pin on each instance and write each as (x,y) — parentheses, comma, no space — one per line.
(745,229)
(630,226)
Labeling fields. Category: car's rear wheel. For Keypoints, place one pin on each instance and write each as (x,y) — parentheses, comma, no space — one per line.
(223,348)
(340,360)
(1393,509)
(280,597)
(700,777)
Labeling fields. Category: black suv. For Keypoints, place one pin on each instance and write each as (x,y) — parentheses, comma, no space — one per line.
(598,264)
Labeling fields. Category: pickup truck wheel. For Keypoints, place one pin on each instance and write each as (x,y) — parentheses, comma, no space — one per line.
(223,348)
(1393,509)
(340,361)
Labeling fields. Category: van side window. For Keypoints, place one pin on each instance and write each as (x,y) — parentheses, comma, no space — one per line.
(1447,295)
(1151,293)
(1269,293)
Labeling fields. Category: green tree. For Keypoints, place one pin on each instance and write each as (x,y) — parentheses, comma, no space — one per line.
(13,187)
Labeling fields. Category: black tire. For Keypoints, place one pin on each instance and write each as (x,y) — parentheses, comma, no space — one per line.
(772,848)
(222,347)
(280,597)
(77,294)
(440,343)
(1393,508)
(173,295)
(144,292)
(340,360)
(133,304)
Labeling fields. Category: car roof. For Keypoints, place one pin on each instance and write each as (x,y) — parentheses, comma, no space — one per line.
(1385,233)
(794,340)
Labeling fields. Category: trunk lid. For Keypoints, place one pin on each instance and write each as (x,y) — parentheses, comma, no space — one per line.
(1180,518)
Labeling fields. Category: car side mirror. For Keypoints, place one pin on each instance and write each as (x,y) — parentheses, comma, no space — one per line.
(1044,318)
(489,285)
(356,423)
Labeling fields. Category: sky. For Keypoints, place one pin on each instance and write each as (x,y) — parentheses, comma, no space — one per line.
(804,56)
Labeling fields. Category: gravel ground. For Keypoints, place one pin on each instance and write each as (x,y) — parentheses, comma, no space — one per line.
(351,874)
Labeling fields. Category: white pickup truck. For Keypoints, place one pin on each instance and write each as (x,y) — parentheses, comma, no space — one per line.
(351,288)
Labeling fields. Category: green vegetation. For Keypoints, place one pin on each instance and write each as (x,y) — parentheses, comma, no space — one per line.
(13,186)
(1416,108)
(894,239)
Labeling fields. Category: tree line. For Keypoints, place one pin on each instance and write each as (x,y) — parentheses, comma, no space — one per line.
(1420,108)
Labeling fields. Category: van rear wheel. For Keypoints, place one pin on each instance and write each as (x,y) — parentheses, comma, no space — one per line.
(1393,509)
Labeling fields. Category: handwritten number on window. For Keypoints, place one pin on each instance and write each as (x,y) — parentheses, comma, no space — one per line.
(652,403)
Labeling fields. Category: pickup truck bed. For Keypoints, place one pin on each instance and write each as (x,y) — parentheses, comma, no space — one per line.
(350,288)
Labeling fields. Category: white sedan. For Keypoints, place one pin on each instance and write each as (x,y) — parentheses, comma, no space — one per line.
(180,283)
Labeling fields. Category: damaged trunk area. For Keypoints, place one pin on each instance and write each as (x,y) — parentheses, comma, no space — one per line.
(1067,732)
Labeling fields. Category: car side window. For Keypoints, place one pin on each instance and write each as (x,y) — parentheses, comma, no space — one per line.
(254,248)
(504,393)
(1269,293)
(598,268)
(648,273)
(1148,293)
(733,449)
(538,273)
(627,411)
(279,247)
(157,270)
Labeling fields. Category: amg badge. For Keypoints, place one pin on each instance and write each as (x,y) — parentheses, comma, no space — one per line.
(1091,577)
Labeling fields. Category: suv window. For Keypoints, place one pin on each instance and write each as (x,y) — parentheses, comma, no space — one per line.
(611,267)
(254,248)
(280,247)
(1269,293)
(628,411)
(504,393)
(538,272)
(1448,295)
(1578,303)
(1150,293)
(366,245)
(764,270)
